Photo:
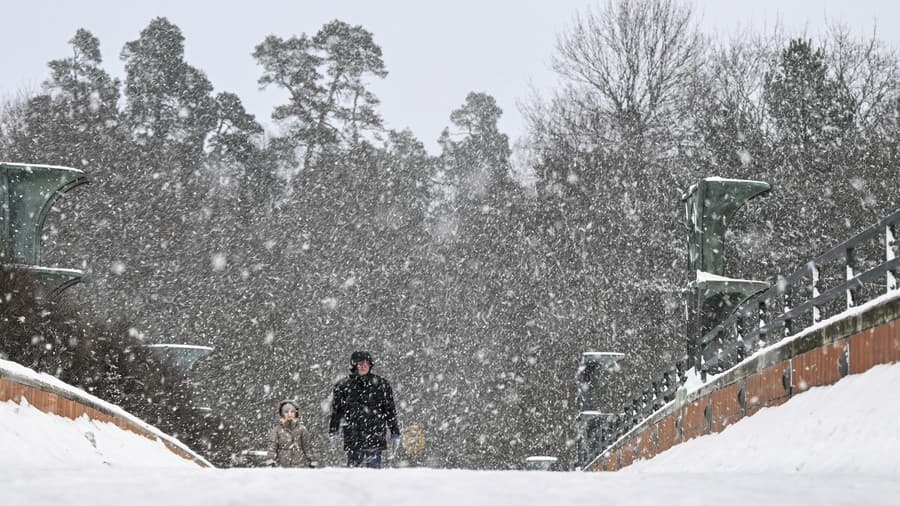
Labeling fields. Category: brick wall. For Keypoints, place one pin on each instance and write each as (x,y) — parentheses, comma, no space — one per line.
(767,388)
(875,346)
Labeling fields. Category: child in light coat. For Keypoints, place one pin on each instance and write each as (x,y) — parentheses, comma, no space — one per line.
(290,444)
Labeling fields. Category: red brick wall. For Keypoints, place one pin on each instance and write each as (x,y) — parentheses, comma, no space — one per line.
(880,345)
(646,445)
(817,367)
(614,461)
(626,454)
(766,388)
(726,408)
(667,432)
(693,420)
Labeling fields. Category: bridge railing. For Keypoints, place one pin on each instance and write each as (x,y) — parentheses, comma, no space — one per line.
(660,390)
(850,274)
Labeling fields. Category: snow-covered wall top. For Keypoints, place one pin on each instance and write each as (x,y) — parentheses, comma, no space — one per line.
(22,375)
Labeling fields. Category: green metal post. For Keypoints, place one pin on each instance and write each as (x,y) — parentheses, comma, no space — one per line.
(27,192)
(183,356)
(592,421)
(711,297)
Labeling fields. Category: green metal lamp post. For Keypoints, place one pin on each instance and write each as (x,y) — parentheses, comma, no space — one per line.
(27,192)
(184,356)
(592,421)
(540,463)
(710,295)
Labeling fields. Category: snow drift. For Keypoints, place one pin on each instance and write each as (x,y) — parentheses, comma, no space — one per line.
(31,438)
(852,426)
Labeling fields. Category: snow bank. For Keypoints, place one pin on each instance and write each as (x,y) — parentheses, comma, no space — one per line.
(424,487)
(21,374)
(852,426)
(31,438)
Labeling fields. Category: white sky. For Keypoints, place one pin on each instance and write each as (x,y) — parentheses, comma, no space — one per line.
(435,52)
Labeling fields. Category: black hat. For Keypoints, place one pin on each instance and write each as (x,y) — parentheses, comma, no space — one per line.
(359,356)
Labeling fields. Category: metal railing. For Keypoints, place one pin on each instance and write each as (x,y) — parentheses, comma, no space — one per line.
(850,274)
(640,405)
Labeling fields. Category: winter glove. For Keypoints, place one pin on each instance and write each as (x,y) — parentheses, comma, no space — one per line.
(335,441)
(395,445)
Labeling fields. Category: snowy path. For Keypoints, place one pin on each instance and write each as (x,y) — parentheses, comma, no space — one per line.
(833,445)
(418,487)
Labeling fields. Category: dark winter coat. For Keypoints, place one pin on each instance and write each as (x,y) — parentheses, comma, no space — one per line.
(366,405)
(290,445)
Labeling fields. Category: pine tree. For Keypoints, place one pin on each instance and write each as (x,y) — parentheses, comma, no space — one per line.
(329,104)
(74,122)
(812,111)
(169,108)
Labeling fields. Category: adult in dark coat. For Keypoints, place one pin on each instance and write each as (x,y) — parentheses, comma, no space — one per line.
(365,403)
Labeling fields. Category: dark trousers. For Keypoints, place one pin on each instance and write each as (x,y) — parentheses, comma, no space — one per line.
(364,458)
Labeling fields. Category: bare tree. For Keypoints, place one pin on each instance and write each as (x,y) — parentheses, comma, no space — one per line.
(869,71)
(731,120)
(639,59)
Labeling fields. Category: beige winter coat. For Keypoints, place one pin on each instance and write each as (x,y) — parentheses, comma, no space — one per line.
(290,445)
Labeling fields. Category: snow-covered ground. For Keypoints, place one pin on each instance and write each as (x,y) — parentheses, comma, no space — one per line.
(30,438)
(420,487)
(851,426)
(18,427)
(832,445)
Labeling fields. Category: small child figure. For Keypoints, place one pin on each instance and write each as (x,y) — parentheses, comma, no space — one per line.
(290,444)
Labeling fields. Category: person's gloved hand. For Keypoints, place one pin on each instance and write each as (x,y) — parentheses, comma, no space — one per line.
(335,441)
(394,445)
